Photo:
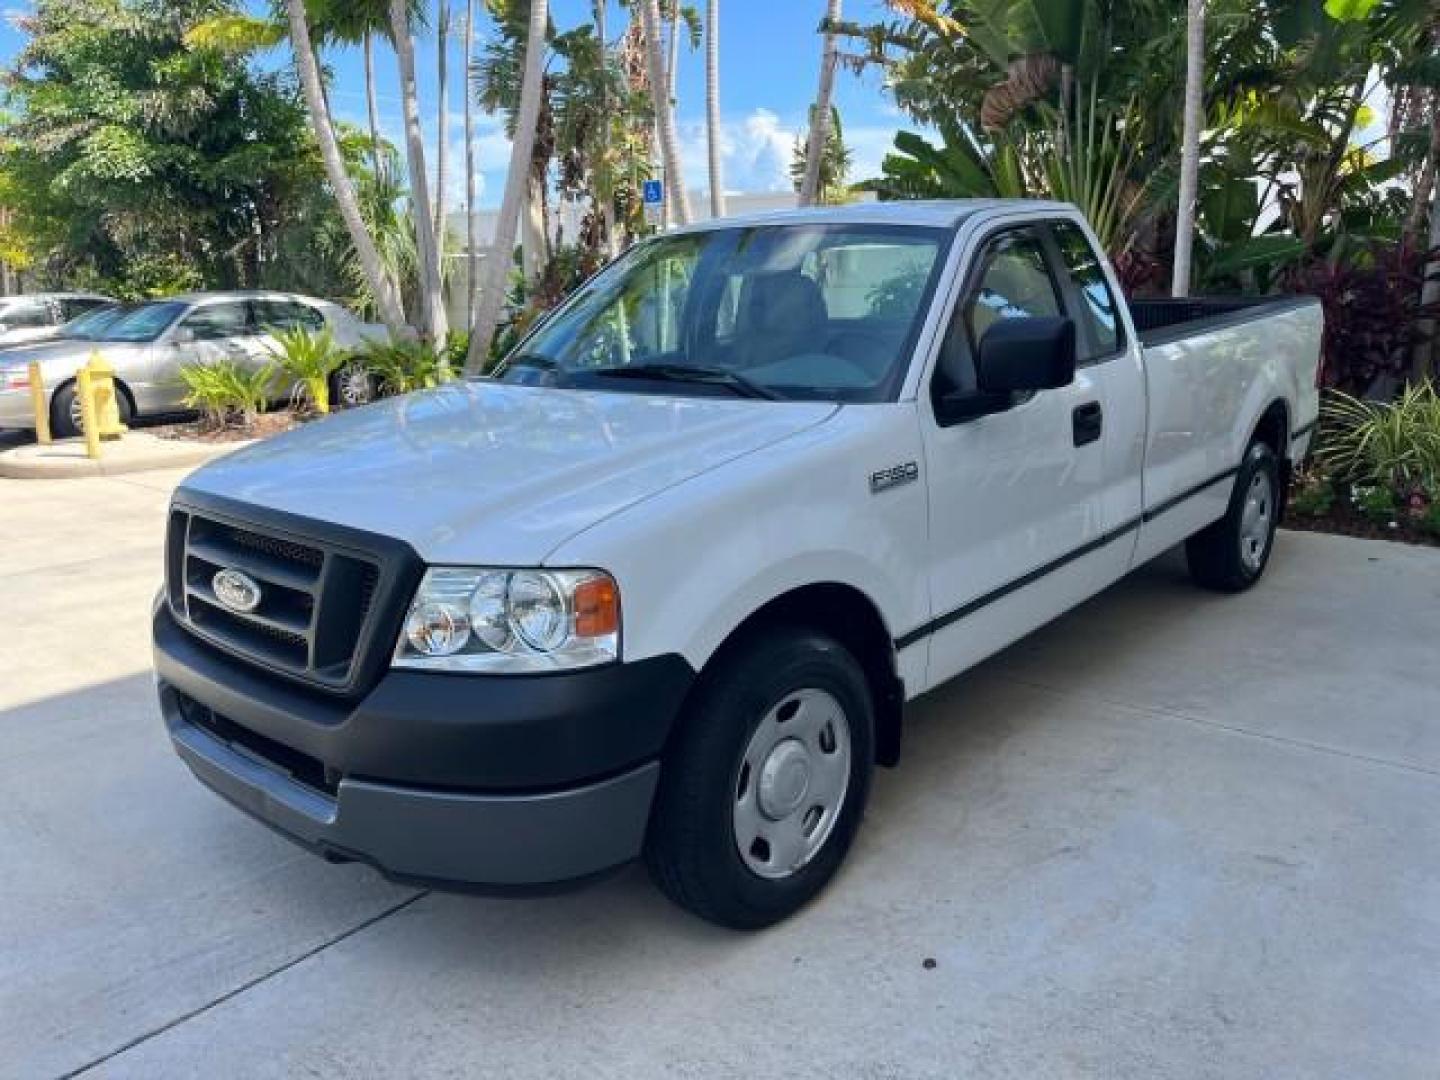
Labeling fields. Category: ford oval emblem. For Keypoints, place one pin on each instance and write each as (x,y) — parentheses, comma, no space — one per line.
(236,590)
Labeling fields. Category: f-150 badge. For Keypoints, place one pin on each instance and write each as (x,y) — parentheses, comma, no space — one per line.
(893,477)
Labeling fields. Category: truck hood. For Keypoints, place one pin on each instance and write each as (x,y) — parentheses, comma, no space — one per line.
(487,473)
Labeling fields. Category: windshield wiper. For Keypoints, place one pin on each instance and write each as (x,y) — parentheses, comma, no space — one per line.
(733,381)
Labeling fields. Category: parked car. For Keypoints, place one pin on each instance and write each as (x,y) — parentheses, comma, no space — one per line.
(148,343)
(39,316)
(663,587)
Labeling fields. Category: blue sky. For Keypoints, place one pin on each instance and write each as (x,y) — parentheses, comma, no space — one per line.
(769,64)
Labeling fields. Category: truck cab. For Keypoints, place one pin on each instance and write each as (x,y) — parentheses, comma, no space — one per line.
(662,586)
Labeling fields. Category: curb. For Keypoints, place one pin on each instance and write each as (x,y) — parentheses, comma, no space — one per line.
(65,459)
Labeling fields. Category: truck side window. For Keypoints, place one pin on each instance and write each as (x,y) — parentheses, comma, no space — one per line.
(1013,282)
(1100,312)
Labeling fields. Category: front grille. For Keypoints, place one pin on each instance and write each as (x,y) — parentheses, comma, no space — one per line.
(315,598)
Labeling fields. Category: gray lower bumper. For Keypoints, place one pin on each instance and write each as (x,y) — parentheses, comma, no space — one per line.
(442,837)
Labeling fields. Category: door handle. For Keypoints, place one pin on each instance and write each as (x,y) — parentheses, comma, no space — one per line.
(1088,421)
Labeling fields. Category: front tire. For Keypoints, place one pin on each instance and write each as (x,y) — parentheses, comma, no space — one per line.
(65,422)
(765,784)
(1231,555)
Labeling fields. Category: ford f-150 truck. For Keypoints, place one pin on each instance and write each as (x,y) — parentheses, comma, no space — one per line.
(661,587)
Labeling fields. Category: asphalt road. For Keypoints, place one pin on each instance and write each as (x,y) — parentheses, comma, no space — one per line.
(1172,835)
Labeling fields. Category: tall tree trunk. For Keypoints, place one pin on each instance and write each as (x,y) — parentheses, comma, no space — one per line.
(533,242)
(820,114)
(387,296)
(606,192)
(1190,147)
(712,107)
(497,266)
(672,63)
(665,112)
(472,233)
(372,105)
(433,323)
(442,140)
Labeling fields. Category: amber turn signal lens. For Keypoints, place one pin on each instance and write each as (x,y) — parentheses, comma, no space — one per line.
(597,608)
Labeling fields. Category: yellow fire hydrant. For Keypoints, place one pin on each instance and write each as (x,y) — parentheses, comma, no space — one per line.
(99,406)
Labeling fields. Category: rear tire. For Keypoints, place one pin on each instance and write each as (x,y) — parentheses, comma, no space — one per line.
(775,756)
(1231,555)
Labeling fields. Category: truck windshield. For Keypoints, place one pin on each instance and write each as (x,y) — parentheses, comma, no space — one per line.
(800,312)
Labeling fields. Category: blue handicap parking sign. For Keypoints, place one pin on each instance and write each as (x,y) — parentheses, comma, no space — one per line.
(654,191)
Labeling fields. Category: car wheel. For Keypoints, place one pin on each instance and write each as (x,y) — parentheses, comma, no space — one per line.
(1231,555)
(353,386)
(764,786)
(66,417)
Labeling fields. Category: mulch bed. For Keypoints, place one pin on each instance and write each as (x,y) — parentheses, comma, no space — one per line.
(262,427)
(1345,522)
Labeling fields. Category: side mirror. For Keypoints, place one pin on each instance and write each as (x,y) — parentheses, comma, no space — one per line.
(1021,355)
(183,336)
(1015,356)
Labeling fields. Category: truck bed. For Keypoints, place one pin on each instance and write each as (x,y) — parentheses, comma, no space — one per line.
(1160,321)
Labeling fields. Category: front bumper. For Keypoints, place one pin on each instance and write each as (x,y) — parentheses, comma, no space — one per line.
(460,780)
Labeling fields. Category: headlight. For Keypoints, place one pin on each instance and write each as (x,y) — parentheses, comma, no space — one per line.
(511,621)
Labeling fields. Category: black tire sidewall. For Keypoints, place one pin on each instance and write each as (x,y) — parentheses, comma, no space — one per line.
(709,753)
(61,426)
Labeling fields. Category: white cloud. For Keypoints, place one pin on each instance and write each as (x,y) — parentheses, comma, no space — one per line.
(756,151)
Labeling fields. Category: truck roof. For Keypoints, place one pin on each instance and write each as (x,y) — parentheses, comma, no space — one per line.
(934,213)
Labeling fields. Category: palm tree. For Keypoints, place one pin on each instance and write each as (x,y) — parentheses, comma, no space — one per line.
(607,203)
(372,105)
(712,106)
(432,301)
(497,266)
(472,236)
(820,114)
(442,143)
(382,286)
(1190,146)
(665,110)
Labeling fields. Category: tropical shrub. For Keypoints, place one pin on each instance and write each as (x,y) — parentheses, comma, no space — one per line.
(1391,445)
(227,393)
(1376,503)
(1314,496)
(401,365)
(1373,312)
(310,359)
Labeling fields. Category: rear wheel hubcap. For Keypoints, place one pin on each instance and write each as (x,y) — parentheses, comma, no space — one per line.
(1256,521)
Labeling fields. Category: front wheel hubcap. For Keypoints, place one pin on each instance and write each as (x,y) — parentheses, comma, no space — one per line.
(1256,521)
(791,783)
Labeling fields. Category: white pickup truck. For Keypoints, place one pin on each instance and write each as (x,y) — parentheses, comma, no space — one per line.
(662,587)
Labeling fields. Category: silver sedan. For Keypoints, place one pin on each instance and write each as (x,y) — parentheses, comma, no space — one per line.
(148,343)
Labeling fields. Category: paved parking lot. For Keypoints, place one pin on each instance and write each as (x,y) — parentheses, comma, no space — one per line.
(1172,835)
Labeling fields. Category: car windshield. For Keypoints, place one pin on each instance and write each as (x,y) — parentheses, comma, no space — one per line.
(145,322)
(89,326)
(800,312)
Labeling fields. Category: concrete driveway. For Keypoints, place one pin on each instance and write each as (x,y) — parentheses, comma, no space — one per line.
(1173,835)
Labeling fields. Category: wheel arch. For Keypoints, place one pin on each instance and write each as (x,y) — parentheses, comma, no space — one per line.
(120,385)
(851,617)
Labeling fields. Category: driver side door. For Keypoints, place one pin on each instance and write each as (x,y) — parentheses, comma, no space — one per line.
(1017,512)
